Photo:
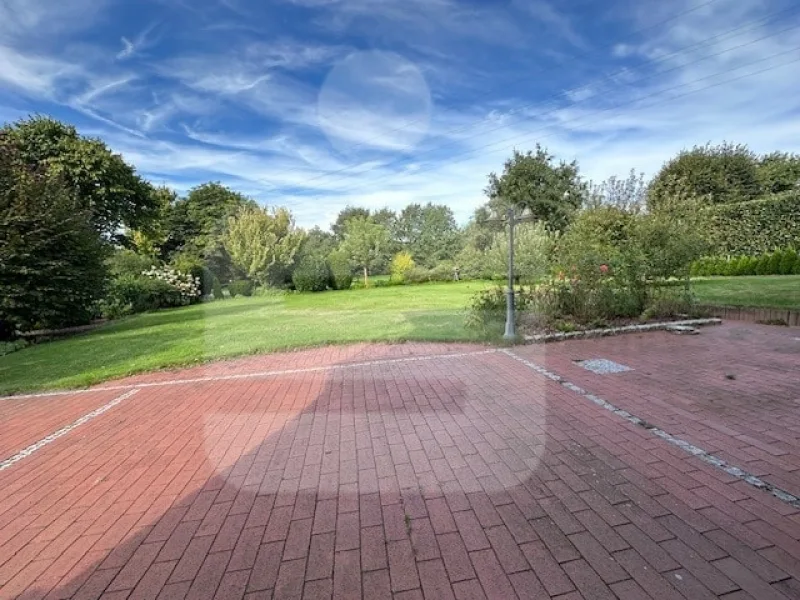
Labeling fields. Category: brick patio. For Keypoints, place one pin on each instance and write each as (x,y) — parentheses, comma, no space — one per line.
(416,471)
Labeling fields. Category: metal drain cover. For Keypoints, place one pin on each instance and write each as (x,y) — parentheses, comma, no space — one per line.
(602,366)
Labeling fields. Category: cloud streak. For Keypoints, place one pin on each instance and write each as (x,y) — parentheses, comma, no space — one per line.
(259,107)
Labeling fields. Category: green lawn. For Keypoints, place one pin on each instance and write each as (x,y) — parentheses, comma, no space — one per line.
(779,291)
(433,312)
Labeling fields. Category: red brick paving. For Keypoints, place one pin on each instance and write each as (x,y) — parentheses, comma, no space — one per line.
(451,477)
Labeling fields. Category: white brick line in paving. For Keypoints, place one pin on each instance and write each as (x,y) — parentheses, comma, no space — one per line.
(5,464)
(703,455)
(255,375)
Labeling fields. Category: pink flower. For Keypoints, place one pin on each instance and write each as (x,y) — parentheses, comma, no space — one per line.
(604,269)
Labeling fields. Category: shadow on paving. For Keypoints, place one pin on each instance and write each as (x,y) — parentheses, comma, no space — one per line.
(442,475)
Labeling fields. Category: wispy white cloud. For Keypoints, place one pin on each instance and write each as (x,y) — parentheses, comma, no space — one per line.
(249,111)
(143,40)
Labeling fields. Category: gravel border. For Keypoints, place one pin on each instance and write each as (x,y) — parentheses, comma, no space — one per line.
(545,338)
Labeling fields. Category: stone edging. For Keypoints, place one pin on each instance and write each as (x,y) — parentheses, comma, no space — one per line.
(593,333)
(753,314)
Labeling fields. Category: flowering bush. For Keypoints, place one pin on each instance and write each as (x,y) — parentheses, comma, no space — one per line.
(189,288)
(157,287)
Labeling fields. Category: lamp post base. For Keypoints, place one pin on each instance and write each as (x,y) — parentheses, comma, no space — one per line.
(511,328)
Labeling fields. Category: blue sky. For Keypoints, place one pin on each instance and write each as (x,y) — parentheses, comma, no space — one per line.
(316,104)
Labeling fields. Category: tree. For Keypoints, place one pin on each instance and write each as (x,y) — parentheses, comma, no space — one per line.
(346,214)
(533,180)
(149,239)
(198,221)
(318,243)
(628,194)
(718,174)
(51,256)
(779,172)
(429,233)
(103,183)
(365,242)
(263,242)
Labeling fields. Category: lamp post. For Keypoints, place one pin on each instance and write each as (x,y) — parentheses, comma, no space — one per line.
(512,219)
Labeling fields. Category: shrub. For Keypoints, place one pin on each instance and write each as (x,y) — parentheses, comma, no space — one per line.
(188,286)
(402,263)
(311,275)
(240,287)
(340,270)
(128,262)
(216,288)
(670,301)
(442,272)
(775,261)
(790,258)
(130,294)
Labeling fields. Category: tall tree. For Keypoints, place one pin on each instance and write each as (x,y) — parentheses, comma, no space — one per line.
(716,174)
(196,225)
(552,191)
(346,214)
(429,233)
(366,243)
(262,242)
(104,184)
(51,255)
(318,243)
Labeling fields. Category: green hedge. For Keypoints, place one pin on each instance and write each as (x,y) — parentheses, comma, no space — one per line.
(311,275)
(757,227)
(780,262)
(240,287)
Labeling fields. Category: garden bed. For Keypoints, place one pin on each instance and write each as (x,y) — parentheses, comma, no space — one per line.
(621,326)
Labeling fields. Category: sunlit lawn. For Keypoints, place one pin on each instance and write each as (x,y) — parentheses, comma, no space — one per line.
(780,291)
(433,312)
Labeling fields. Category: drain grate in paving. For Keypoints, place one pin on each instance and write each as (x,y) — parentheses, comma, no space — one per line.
(602,366)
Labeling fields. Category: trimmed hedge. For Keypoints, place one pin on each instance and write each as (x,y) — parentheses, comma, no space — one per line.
(757,227)
(780,262)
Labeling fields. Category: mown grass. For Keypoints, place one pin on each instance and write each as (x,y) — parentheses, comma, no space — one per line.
(769,291)
(242,326)
(201,333)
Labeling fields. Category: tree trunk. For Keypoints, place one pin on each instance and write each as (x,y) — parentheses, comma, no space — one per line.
(366,277)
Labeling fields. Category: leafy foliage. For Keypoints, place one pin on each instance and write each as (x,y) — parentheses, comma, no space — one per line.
(402,264)
(429,233)
(779,172)
(339,226)
(756,227)
(240,287)
(312,274)
(131,294)
(127,262)
(779,262)
(553,192)
(104,184)
(51,256)
(628,194)
(717,174)
(341,271)
(263,243)
(365,242)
